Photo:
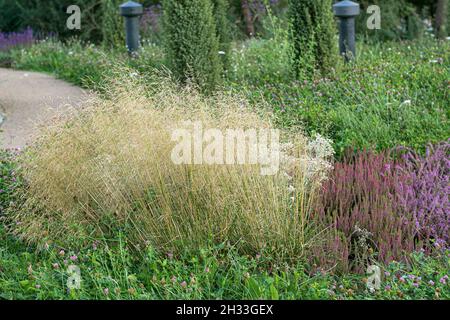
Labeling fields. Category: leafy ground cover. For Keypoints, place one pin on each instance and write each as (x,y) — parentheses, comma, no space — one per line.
(110,271)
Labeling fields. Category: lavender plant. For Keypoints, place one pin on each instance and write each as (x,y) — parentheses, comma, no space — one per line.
(12,40)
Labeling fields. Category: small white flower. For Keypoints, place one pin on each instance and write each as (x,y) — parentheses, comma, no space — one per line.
(222,53)
(406,103)
(438,60)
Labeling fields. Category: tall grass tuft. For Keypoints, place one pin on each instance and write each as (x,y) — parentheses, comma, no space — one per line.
(108,169)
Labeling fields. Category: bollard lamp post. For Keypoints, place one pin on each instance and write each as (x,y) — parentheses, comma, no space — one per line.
(347,11)
(131,11)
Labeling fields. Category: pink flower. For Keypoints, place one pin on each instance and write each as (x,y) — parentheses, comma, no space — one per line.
(61,253)
(55,265)
(207,270)
(74,258)
(183,284)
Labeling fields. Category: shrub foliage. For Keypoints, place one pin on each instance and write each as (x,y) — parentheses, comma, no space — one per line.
(191,41)
(312,31)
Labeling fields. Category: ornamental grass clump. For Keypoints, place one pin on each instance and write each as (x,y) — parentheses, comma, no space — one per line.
(108,169)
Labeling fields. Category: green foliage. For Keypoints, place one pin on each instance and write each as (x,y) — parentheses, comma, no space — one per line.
(112,24)
(395,94)
(223,28)
(399,20)
(110,270)
(312,31)
(191,41)
(9,179)
(81,64)
(5,59)
(50,17)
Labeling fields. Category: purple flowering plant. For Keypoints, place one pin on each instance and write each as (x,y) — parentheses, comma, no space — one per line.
(388,204)
(12,40)
(425,193)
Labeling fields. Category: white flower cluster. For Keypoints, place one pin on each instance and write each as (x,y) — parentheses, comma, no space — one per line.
(314,162)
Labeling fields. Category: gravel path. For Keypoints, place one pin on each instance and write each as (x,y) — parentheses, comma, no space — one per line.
(29,99)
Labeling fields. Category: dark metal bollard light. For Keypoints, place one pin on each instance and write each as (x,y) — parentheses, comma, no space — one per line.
(347,11)
(132,11)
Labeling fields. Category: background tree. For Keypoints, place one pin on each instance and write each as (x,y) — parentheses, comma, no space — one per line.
(312,32)
(112,23)
(191,41)
(441,19)
(223,28)
(248,19)
(400,20)
(49,17)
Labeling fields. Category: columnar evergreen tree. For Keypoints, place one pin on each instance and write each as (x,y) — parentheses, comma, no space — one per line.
(441,18)
(223,29)
(312,32)
(112,23)
(191,41)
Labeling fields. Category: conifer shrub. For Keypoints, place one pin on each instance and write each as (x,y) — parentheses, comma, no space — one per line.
(312,35)
(223,28)
(191,41)
(113,33)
